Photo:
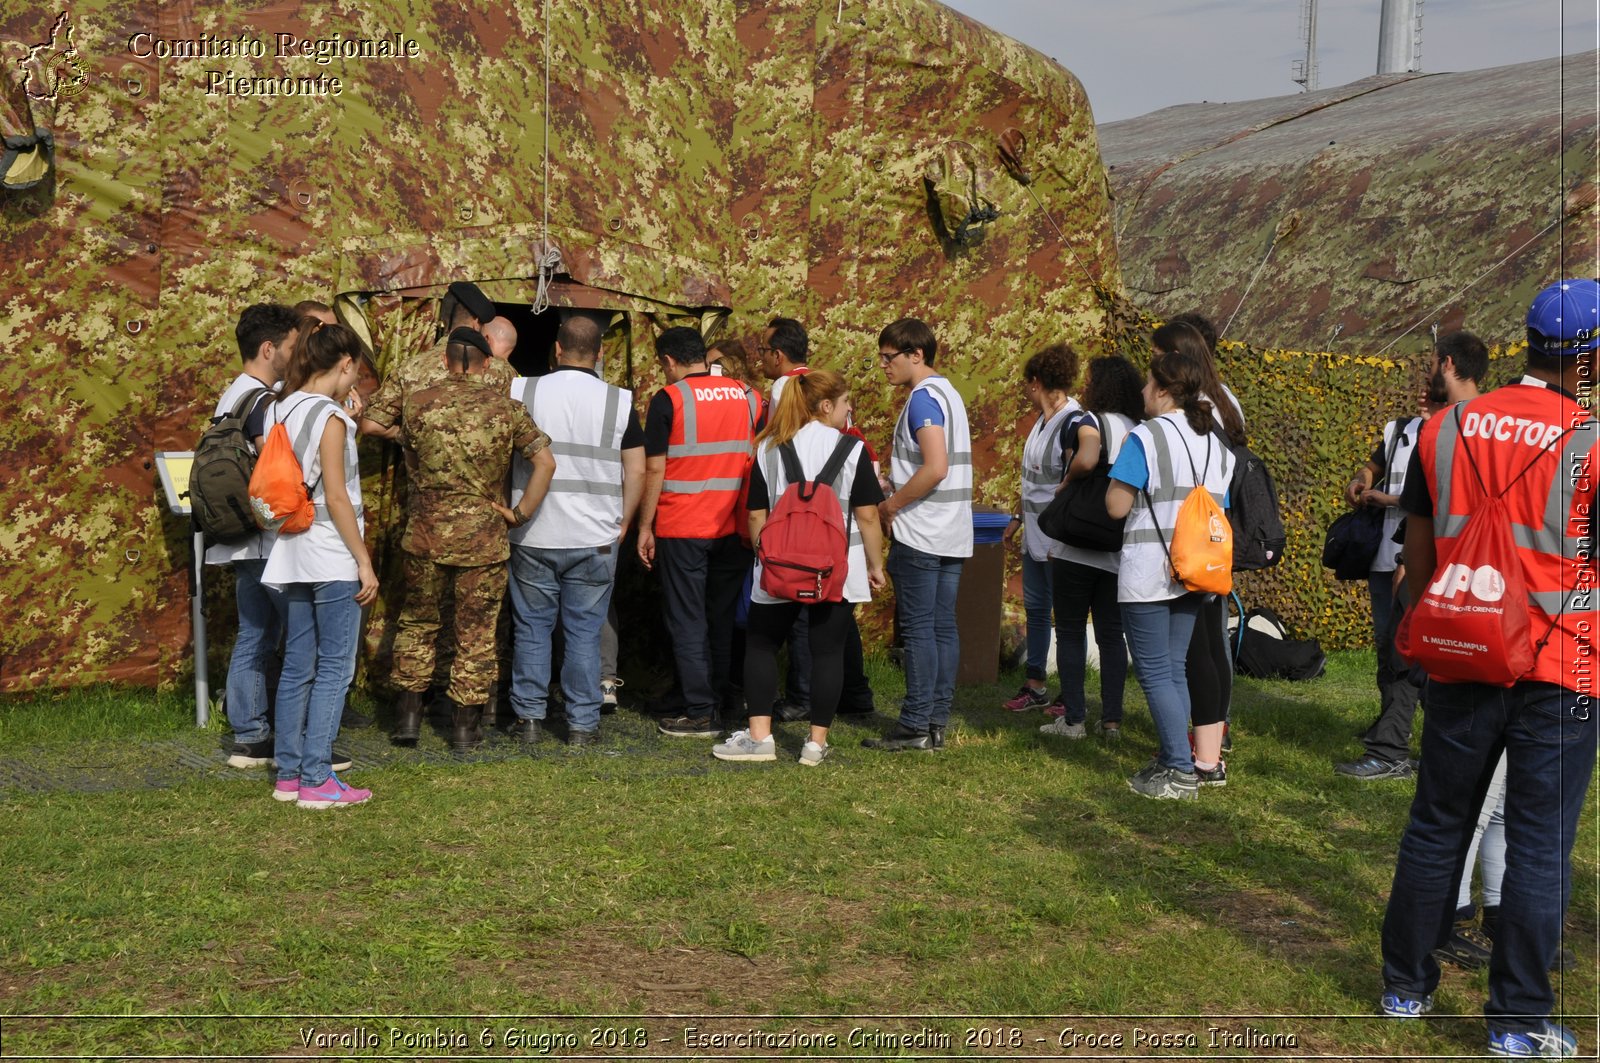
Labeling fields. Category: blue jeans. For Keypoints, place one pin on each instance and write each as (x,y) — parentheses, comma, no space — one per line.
(925,587)
(1037,601)
(573,586)
(1158,636)
(1548,735)
(260,621)
(319,661)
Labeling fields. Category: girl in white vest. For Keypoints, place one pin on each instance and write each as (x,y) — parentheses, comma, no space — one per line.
(1085,579)
(1210,666)
(809,415)
(1046,378)
(324,573)
(1163,459)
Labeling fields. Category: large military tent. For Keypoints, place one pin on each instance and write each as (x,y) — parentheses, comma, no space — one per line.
(1336,220)
(658,161)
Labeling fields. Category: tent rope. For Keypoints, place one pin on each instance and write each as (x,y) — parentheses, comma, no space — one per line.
(549,256)
(1468,286)
(1277,232)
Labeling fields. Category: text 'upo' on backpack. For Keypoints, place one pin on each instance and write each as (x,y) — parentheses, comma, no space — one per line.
(804,547)
(1258,535)
(219,479)
(1471,624)
(1201,552)
(279,494)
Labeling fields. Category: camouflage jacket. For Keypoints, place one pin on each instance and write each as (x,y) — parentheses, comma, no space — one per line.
(464,430)
(424,369)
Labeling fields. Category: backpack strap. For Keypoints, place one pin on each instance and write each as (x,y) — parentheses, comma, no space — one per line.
(247,402)
(835,464)
(302,438)
(791,467)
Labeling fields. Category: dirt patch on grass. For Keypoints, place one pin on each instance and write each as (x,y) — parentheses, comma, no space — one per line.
(1279,924)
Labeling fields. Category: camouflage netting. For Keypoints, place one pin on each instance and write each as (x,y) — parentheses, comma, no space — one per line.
(711,162)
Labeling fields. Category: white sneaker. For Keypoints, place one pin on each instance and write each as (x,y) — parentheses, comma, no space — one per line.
(1062,729)
(740,746)
(812,754)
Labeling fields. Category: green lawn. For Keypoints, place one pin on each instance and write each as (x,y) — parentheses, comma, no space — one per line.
(1009,893)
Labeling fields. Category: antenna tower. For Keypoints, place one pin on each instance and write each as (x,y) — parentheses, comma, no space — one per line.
(1305,70)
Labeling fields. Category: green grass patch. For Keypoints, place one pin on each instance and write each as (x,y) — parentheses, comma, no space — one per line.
(1012,881)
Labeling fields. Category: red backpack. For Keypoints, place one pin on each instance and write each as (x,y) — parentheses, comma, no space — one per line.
(805,547)
(1471,624)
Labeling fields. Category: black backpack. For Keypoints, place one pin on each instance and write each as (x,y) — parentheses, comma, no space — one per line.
(1267,652)
(219,480)
(1258,536)
(1077,514)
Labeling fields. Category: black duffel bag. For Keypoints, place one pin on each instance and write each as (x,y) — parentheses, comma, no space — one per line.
(1077,515)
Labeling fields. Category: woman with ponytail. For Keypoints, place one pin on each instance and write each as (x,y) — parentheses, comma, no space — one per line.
(1210,664)
(809,416)
(1164,458)
(324,573)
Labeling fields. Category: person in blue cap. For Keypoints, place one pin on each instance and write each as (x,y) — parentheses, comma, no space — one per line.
(1533,445)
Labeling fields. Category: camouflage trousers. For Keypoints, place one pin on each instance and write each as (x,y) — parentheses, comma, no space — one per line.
(478,592)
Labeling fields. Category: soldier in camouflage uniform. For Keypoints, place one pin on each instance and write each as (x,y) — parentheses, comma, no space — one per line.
(463,430)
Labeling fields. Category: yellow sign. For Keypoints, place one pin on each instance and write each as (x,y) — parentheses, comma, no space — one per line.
(174,466)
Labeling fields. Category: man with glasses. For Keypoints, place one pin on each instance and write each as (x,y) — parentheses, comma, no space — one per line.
(929,516)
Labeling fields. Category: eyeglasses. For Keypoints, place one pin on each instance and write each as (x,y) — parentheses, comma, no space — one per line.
(887,358)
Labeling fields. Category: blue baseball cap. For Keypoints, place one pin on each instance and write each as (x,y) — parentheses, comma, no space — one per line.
(1565,318)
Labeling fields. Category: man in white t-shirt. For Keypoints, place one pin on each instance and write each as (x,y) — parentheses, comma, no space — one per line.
(265,334)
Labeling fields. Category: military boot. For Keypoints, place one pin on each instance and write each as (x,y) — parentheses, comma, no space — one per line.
(466,734)
(408,719)
(491,707)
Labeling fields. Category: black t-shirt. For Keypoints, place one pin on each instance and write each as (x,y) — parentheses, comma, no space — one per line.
(1414,497)
(632,434)
(864,489)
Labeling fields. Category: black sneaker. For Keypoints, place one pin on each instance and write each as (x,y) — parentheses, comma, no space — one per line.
(689,727)
(900,738)
(340,761)
(582,739)
(1468,947)
(788,711)
(1217,776)
(250,754)
(1372,767)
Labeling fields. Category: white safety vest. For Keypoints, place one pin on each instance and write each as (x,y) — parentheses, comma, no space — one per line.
(1042,472)
(940,522)
(814,445)
(1399,440)
(317,554)
(1174,454)
(585,418)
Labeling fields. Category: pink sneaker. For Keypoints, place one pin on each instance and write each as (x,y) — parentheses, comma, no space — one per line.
(331,794)
(1027,698)
(286,790)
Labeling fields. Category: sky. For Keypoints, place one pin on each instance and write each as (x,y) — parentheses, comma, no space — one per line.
(1137,56)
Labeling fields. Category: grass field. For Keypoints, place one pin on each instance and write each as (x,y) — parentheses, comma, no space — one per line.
(1009,894)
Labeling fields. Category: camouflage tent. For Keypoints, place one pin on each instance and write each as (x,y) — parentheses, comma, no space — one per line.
(657,161)
(1335,220)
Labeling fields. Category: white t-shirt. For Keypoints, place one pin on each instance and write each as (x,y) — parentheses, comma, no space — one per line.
(317,554)
(259,545)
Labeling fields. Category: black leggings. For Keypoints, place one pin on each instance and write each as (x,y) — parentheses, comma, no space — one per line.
(1210,666)
(828,624)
